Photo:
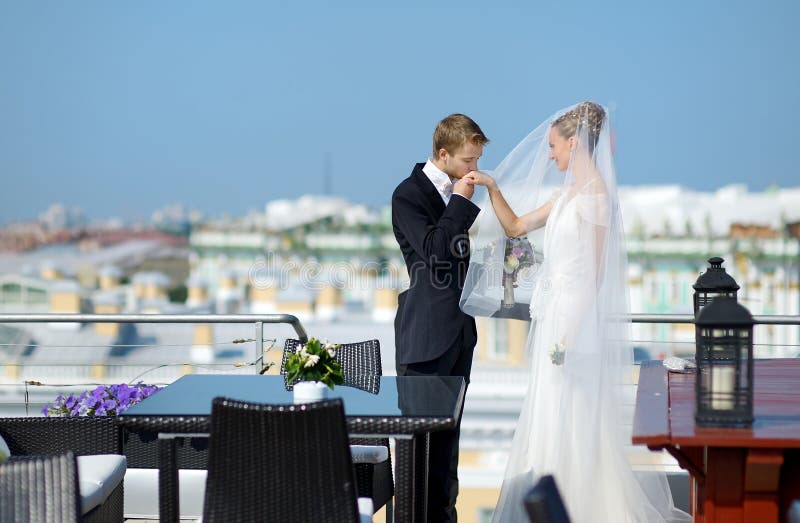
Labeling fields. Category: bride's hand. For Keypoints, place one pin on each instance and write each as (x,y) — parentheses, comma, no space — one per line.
(481,178)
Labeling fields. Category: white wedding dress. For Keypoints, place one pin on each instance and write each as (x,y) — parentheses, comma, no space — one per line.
(568,425)
(576,417)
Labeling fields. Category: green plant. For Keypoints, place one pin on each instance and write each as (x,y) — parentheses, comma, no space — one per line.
(315,361)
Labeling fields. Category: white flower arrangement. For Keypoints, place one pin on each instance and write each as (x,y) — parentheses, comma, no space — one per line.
(315,361)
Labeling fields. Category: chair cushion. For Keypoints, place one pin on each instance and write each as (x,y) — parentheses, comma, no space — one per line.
(141,493)
(5,453)
(98,476)
(365,511)
(369,453)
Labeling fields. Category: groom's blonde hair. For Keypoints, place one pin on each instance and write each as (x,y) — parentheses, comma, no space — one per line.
(454,131)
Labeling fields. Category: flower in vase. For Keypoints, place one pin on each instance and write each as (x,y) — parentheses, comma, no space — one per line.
(315,362)
(330,348)
(511,264)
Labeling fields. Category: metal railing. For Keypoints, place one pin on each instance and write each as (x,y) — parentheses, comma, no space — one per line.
(257,319)
(689,318)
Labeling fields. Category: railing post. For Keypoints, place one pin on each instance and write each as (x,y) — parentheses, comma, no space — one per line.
(259,365)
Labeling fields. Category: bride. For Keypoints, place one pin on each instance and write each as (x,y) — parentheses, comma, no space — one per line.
(572,423)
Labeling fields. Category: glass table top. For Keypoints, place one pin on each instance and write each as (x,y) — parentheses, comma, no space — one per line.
(396,396)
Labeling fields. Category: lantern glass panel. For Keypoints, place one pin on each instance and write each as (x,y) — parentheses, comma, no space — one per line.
(724,370)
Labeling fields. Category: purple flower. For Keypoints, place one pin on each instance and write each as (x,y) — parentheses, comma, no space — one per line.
(123,393)
(99,393)
(104,400)
(106,408)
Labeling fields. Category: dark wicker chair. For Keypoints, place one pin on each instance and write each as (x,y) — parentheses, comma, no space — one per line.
(40,489)
(544,504)
(361,362)
(81,436)
(279,463)
(141,450)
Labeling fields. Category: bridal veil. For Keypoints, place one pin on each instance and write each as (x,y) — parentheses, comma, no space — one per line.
(576,418)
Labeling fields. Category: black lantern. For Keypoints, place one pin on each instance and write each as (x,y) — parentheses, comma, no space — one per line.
(724,381)
(713,283)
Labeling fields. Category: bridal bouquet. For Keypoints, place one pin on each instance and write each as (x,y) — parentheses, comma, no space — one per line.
(315,361)
(518,256)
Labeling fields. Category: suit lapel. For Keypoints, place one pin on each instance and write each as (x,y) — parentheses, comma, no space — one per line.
(428,189)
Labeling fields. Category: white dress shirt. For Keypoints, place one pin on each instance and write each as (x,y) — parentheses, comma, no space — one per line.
(440,180)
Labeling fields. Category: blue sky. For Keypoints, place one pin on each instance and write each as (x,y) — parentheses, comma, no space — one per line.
(121,108)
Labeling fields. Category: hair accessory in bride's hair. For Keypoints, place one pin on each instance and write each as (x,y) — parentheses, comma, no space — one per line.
(587,114)
(592,127)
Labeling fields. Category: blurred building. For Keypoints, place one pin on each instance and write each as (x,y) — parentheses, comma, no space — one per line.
(338,269)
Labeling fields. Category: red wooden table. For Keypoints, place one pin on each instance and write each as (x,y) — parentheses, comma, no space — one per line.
(738,475)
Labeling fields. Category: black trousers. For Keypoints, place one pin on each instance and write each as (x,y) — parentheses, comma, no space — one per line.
(443,452)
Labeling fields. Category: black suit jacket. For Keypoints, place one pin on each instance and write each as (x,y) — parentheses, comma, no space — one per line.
(435,245)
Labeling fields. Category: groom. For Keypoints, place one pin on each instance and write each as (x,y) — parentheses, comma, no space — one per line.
(431,217)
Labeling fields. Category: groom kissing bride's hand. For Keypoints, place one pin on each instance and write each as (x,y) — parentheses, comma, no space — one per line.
(464,186)
(480,178)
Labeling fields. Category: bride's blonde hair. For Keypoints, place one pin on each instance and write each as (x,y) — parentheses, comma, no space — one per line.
(594,115)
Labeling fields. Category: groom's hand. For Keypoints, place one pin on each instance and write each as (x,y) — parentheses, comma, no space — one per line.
(481,178)
(464,187)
